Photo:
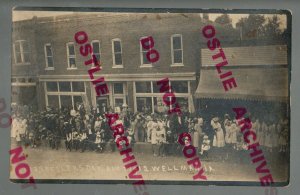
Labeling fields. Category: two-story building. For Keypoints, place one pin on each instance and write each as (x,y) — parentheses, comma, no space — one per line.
(48,70)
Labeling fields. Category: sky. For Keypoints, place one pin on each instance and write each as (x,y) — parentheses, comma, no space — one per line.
(23,15)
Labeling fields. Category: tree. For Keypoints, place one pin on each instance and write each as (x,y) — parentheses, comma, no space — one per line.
(251,26)
(225,20)
(271,29)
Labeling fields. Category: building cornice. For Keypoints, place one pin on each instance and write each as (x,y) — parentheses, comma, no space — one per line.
(121,77)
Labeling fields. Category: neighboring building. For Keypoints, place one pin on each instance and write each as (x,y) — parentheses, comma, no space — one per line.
(261,74)
(24,64)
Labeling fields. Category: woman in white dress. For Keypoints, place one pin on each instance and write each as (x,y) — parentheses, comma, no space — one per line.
(227,126)
(233,134)
(259,132)
(149,128)
(264,129)
(275,138)
(197,133)
(281,140)
(268,138)
(219,140)
(154,140)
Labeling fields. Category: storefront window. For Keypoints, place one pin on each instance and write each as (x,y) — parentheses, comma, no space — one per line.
(64,94)
(64,86)
(53,101)
(52,86)
(77,99)
(144,104)
(143,87)
(159,105)
(78,86)
(180,86)
(156,87)
(183,103)
(150,98)
(119,102)
(118,88)
(102,101)
(66,101)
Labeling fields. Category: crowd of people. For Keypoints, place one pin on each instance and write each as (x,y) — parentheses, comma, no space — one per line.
(83,131)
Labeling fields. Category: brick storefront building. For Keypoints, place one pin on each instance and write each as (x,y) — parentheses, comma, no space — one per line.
(48,70)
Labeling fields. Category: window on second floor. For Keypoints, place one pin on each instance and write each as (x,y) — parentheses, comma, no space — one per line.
(22,52)
(177,50)
(143,52)
(117,53)
(49,56)
(71,55)
(96,49)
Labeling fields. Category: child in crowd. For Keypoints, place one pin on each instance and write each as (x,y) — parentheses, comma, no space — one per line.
(283,138)
(76,138)
(68,142)
(83,141)
(161,138)
(234,129)
(130,136)
(154,140)
(205,147)
(98,142)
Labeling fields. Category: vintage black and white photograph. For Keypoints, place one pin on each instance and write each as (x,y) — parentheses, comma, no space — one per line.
(97,94)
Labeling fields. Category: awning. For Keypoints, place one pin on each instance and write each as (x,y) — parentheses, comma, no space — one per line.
(270,84)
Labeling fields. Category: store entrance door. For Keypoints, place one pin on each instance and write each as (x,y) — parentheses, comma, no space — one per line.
(103,102)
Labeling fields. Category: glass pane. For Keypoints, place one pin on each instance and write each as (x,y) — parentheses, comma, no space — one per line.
(179,86)
(146,43)
(72,62)
(53,101)
(25,46)
(64,86)
(71,49)
(50,61)
(118,88)
(119,102)
(17,47)
(77,100)
(102,102)
(78,86)
(178,56)
(145,60)
(144,104)
(118,59)
(156,88)
(26,57)
(66,101)
(176,42)
(52,86)
(31,80)
(18,58)
(98,57)
(143,87)
(159,105)
(117,46)
(22,80)
(14,94)
(183,103)
(48,50)
(96,47)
